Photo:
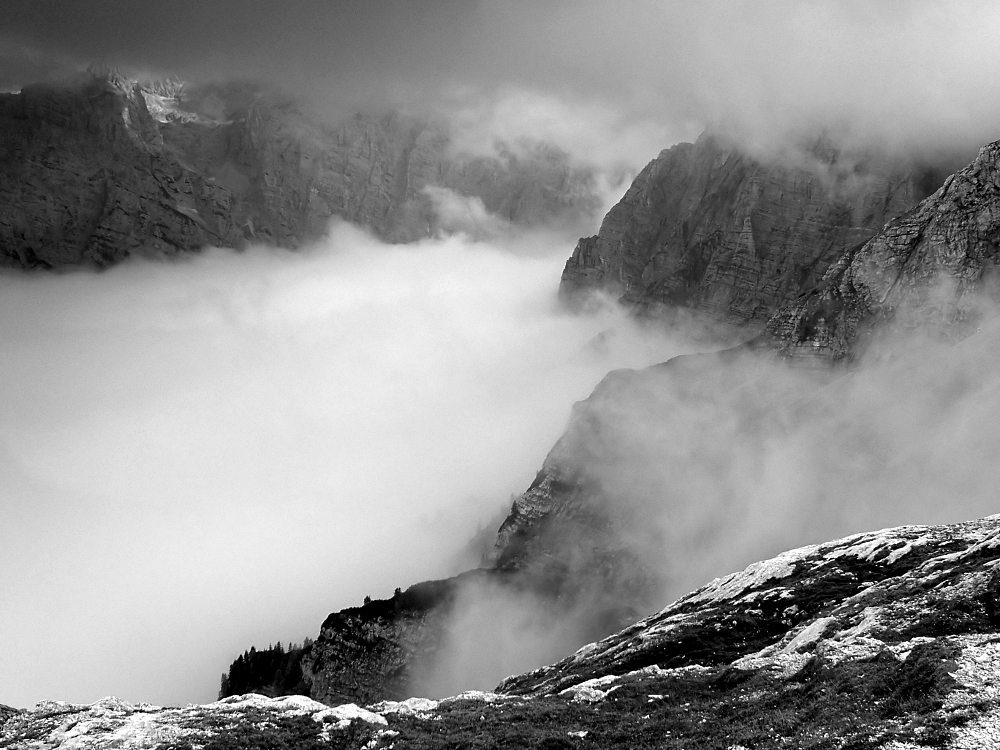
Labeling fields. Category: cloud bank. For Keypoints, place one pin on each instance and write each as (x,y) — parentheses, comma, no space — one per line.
(204,455)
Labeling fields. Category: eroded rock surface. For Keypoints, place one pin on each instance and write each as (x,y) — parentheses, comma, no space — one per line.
(932,269)
(707,227)
(114,723)
(95,170)
(846,598)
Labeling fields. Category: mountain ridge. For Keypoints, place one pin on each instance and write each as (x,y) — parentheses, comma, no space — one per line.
(709,227)
(100,168)
(924,270)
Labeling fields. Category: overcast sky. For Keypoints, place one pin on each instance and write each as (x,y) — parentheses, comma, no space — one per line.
(199,458)
(910,71)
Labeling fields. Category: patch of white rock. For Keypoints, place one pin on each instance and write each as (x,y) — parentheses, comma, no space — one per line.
(114,723)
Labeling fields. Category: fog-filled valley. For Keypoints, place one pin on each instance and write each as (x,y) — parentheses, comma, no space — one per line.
(220,451)
(301,309)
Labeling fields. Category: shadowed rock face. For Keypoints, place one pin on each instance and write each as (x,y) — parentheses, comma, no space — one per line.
(369,653)
(924,271)
(585,520)
(929,270)
(707,227)
(101,168)
(85,177)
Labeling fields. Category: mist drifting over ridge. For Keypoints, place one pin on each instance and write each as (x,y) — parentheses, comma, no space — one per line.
(702,467)
(189,439)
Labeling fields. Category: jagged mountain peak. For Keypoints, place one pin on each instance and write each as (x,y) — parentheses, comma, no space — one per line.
(731,233)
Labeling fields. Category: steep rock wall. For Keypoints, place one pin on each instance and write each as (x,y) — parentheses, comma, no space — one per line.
(85,178)
(707,227)
(99,169)
(930,269)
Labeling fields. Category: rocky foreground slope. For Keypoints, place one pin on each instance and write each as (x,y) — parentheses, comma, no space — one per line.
(100,168)
(887,639)
(711,228)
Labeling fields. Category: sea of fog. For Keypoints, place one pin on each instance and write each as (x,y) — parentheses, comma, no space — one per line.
(203,455)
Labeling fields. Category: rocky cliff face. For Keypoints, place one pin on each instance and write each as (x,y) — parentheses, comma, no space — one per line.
(885,640)
(370,653)
(710,228)
(931,269)
(85,177)
(101,168)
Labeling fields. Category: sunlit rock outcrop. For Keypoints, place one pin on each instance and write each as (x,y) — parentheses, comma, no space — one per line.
(239,720)
(847,599)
